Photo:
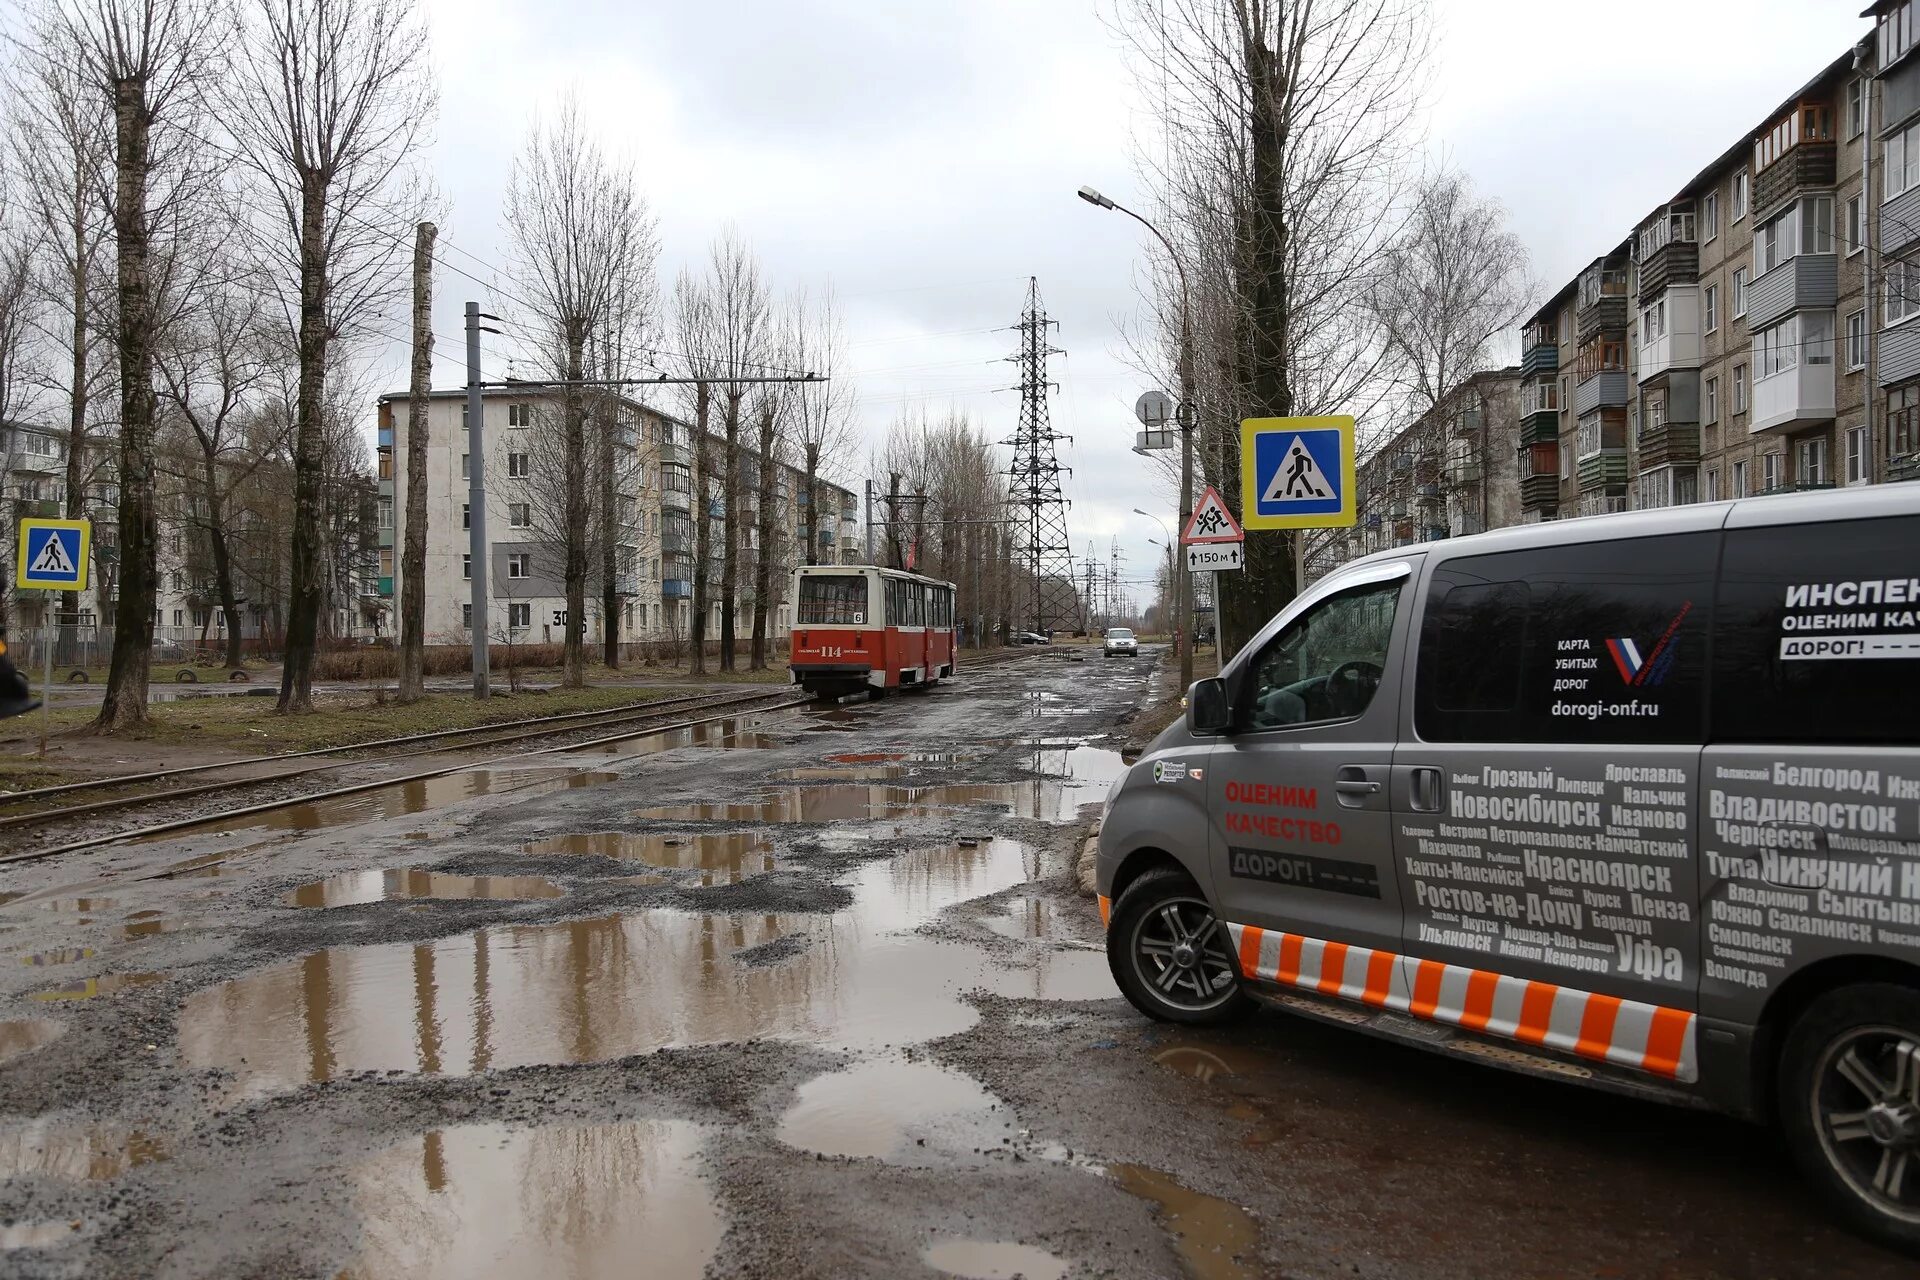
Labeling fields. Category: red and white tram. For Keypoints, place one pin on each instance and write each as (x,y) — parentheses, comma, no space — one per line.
(861,627)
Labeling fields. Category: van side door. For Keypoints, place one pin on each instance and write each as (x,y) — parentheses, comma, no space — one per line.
(1301,835)
(1547,789)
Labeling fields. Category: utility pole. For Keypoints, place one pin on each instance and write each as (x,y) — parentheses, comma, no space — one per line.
(1035,505)
(413,550)
(477,499)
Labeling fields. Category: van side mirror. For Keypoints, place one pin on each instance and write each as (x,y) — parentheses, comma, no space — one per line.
(1207,708)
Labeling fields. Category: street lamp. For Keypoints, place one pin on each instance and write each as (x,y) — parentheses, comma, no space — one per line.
(1183,415)
(1168,545)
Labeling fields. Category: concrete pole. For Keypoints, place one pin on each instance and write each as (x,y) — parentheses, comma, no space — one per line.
(477,502)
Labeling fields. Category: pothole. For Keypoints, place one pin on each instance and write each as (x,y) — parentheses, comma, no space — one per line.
(58,1147)
(59,955)
(357,888)
(590,990)
(993,1260)
(105,985)
(21,1036)
(1215,1238)
(729,734)
(581,1200)
(720,857)
(905,1113)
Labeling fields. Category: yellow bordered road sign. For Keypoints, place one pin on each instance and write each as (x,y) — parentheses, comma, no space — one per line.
(1296,473)
(52,555)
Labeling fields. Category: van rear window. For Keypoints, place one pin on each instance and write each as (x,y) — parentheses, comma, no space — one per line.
(1820,634)
(833,599)
(1591,642)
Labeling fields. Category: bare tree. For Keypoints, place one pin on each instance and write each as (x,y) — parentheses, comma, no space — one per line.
(1289,126)
(152,61)
(581,234)
(823,413)
(740,329)
(1452,282)
(413,559)
(330,104)
(694,331)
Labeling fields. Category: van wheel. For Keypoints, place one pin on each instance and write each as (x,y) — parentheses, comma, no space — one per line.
(1171,955)
(1850,1106)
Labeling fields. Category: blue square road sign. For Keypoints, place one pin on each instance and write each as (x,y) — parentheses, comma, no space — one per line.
(52,555)
(1296,473)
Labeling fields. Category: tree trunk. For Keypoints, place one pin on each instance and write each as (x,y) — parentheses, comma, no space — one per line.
(813,504)
(307,572)
(609,540)
(730,530)
(413,558)
(702,530)
(763,561)
(124,704)
(573,662)
(216,526)
(76,479)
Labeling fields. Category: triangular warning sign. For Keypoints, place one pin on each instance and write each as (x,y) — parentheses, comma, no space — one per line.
(53,560)
(1299,478)
(1212,522)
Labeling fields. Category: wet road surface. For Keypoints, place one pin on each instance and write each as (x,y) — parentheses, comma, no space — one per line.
(797,995)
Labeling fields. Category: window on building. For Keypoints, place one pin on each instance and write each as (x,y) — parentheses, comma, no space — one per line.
(1901,154)
(1739,480)
(179,617)
(466,617)
(1739,389)
(519,415)
(386,519)
(1710,299)
(1855,226)
(1495,625)
(1711,409)
(1710,216)
(520,616)
(1857,340)
(1772,465)
(466,566)
(1764,695)
(1739,292)
(1856,108)
(1859,460)
(517,465)
(1710,486)
(1782,347)
(466,466)
(463,416)
(1810,462)
(1653,321)
(1739,195)
(1896,33)
(520,515)
(1903,421)
(1903,290)
(520,565)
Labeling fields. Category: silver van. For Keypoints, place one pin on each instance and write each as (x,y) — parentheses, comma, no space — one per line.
(1631,801)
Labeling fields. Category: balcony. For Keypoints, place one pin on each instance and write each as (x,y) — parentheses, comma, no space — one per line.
(674,544)
(675,589)
(1539,350)
(1603,300)
(1540,493)
(674,455)
(1669,443)
(626,584)
(1796,151)
(1904,467)
(1666,250)
(1674,320)
(1805,282)
(385,584)
(675,500)
(1606,470)
(1604,390)
(1794,397)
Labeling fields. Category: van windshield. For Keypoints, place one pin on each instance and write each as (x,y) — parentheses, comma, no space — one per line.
(833,598)
(1119,633)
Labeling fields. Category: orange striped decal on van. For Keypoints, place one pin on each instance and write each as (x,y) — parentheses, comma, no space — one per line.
(1625,1033)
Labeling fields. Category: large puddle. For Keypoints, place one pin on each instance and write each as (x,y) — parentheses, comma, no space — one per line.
(356,888)
(60,1147)
(581,1202)
(733,734)
(591,990)
(1074,776)
(720,857)
(905,1113)
(993,1260)
(399,800)
(1215,1238)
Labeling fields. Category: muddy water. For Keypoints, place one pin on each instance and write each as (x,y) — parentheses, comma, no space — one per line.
(35,1235)
(1032,920)
(60,955)
(589,990)
(1076,776)
(736,734)
(400,799)
(22,1036)
(906,1113)
(354,888)
(552,1203)
(1215,1238)
(105,985)
(719,857)
(993,1260)
(73,1152)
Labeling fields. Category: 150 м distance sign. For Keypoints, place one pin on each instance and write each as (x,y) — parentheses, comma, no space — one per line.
(1213,557)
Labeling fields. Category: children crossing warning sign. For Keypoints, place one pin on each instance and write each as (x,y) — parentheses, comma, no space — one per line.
(1296,473)
(1211,521)
(52,554)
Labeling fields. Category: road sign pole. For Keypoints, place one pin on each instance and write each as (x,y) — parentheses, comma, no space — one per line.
(46,677)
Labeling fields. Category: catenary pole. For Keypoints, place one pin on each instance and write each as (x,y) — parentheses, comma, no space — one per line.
(477,502)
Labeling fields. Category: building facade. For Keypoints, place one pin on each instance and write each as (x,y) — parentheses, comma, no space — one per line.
(653,518)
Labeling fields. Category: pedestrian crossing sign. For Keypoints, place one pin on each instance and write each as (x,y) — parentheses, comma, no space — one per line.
(1296,473)
(52,554)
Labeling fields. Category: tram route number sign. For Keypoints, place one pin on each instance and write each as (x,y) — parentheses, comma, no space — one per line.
(1215,557)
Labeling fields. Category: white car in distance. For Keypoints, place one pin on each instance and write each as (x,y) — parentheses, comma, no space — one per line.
(1120,641)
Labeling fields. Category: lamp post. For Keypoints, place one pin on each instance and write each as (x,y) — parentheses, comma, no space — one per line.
(1183,417)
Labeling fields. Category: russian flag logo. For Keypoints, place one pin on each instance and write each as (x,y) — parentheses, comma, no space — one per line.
(1626,656)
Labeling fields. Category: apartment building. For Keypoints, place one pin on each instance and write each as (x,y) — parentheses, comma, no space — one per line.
(1453,471)
(654,506)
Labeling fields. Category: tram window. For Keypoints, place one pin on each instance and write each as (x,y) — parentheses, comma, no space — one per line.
(833,599)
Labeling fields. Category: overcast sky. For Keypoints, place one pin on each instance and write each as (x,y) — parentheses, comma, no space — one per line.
(920,158)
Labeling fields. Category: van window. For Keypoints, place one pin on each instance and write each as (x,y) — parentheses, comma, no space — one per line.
(1327,664)
(838,598)
(1592,642)
(1820,633)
